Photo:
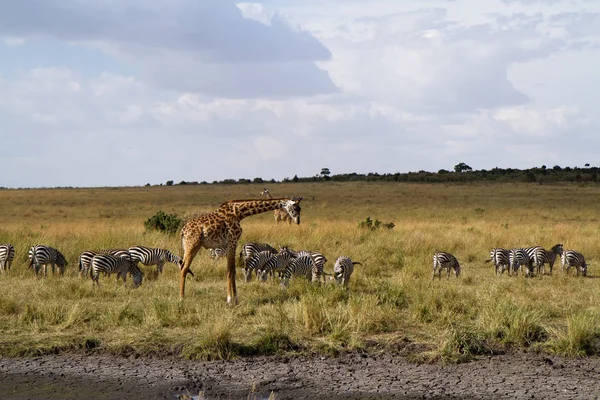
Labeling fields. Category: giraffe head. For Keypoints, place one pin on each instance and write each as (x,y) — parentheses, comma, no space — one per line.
(292,206)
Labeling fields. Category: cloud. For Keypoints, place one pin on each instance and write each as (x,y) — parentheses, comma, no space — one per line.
(208,42)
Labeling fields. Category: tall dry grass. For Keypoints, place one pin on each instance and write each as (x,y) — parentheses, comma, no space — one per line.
(391,297)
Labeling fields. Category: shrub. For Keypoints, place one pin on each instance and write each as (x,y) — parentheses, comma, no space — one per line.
(166,223)
(376,224)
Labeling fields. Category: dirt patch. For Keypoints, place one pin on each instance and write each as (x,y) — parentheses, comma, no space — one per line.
(521,375)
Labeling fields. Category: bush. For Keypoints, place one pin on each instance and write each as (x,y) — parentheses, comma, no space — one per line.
(373,225)
(166,223)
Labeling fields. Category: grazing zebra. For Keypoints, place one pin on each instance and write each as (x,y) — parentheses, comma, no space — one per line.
(217,253)
(154,256)
(301,266)
(319,260)
(7,256)
(40,255)
(572,258)
(85,258)
(277,263)
(500,258)
(343,269)
(110,264)
(543,256)
(255,263)
(445,260)
(519,258)
(250,249)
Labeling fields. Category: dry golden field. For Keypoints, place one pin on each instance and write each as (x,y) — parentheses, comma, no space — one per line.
(391,299)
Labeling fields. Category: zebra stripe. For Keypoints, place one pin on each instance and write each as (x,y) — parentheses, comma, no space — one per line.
(343,269)
(255,263)
(500,258)
(445,260)
(303,266)
(109,264)
(543,256)
(41,255)
(572,258)
(318,258)
(154,256)
(277,263)
(85,258)
(7,256)
(518,258)
(217,253)
(249,249)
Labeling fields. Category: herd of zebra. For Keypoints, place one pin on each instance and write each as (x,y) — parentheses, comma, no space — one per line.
(93,262)
(529,260)
(259,259)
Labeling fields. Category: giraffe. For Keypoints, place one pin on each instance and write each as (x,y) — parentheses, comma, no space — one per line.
(222,228)
(279,213)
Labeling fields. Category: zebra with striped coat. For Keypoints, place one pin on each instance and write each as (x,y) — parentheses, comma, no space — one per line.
(110,264)
(217,253)
(500,258)
(154,256)
(520,258)
(277,263)
(572,258)
(302,266)
(343,269)
(40,255)
(85,258)
(543,256)
(255,263)
(7,256)
(249,249)
(318,258)
(444,260)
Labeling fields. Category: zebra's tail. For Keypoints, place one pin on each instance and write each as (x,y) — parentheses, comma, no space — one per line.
(487,261)
(356,263)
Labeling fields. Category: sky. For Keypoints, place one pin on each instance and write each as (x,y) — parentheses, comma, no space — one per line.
(129,92)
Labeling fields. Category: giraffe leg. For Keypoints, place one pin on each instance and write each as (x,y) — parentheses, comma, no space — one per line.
(188,257)
(231,288)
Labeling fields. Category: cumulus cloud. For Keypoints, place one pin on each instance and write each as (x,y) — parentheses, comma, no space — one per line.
(207,42)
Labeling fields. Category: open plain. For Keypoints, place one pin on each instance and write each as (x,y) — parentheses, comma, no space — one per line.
(392,305)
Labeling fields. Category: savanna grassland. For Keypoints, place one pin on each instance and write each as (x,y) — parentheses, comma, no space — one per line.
(391,300)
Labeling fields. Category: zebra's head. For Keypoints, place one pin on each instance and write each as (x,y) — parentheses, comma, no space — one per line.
(292,206)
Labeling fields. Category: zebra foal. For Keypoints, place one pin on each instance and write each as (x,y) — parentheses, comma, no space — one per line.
(443,260)
(542,256)
(110,264)
(7,256)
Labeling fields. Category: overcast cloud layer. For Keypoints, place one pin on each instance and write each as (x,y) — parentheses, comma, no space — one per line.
(110,93)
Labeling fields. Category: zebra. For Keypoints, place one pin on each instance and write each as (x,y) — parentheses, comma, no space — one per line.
(85,258)
(255,263)
(500,258)
(572,258)
(276,263)
(250,249)
(443,260)
(518,258)
(41,255)
(109,264)
(7,256)
(154,256)
(318,258)
(542,256)
(343,269)
(217,253)
(303,265)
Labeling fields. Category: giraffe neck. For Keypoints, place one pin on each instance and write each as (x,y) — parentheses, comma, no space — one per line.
(246,208)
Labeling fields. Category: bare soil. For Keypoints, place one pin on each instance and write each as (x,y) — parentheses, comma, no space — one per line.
(355,376)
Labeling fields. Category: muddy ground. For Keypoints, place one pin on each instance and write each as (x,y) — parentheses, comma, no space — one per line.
(521,376)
